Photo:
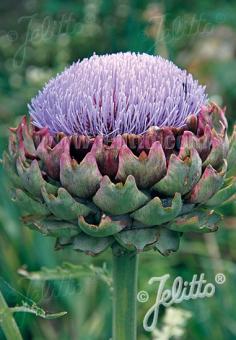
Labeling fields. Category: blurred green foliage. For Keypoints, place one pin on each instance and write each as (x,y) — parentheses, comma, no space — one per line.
(37,40)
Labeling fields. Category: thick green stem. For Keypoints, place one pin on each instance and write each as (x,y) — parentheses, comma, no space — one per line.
(7,321)
(125,270)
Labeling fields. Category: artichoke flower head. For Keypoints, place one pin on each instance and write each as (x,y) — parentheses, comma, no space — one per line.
(121,149)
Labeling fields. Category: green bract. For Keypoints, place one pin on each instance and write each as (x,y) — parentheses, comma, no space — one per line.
(140,191)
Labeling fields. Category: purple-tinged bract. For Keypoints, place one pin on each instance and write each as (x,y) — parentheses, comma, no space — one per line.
(116,94)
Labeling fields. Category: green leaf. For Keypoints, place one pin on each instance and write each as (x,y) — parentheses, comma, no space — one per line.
(32,179)
(91,245)
(64,206)
(146,171)
(52,227)
(231,158)
(202,221)
(183,173)
(137,239)
(156,213)
(168,242)
(28,205)
(107,226)
(119,199)
(11,173)
(82,179)
(223,194)
(210,182)
(217,153)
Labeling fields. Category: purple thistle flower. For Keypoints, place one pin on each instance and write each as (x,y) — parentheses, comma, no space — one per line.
(131,193)
(116,94)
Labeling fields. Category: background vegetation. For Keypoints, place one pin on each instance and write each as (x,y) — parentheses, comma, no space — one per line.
(37,40)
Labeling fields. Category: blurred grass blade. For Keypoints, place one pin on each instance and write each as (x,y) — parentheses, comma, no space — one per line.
(7,321)
(64,272)
(34,309)
(68,271)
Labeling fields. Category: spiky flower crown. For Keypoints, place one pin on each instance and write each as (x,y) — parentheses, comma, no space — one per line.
(80,175)
(115,94)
